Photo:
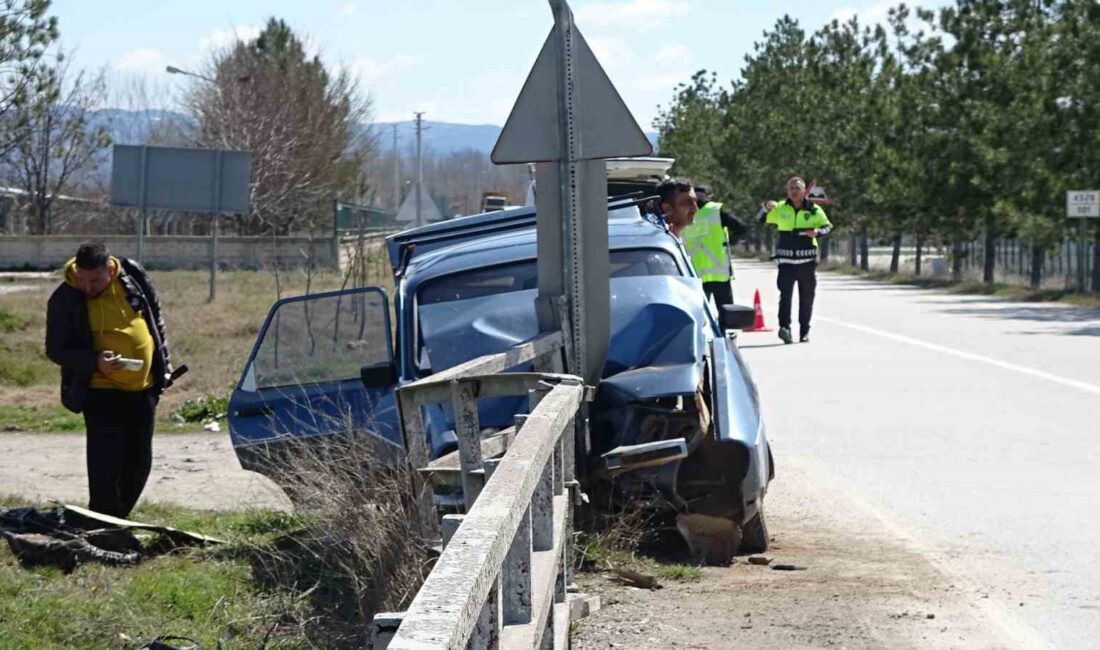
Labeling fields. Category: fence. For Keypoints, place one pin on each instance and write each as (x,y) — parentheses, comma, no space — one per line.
(1013,260)
(49,252)
(501,579)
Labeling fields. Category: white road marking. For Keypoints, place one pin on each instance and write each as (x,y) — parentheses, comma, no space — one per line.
(970,356)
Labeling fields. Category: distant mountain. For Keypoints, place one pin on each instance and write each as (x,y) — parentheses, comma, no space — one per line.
(440,138)
(446,137)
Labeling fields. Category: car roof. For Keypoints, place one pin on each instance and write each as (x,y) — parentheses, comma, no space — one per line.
(626,230)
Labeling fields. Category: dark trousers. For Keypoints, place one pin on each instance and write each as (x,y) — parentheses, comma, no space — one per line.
(119,427)
(806,277)
(722,292)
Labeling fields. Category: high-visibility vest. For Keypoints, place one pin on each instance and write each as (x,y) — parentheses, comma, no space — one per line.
(707,244)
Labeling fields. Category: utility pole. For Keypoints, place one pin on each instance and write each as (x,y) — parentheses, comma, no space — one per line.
(419,170)
(396,173)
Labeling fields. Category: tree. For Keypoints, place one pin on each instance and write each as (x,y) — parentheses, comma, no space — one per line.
(25,33)
(690,130)
(305,126)
(61,141)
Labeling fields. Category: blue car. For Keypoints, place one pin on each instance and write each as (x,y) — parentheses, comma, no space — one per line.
(675,423)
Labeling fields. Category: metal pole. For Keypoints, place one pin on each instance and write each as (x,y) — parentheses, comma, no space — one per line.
(419,171)
(1082,247)
(396,173)
(214,225)
(214,257)
(141,209)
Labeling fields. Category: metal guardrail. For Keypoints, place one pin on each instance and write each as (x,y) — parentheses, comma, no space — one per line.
(501,580)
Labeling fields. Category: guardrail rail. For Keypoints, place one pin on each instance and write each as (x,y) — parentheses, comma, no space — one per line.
(501,579)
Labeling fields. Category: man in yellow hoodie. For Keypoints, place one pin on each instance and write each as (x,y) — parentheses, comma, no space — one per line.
(104,328)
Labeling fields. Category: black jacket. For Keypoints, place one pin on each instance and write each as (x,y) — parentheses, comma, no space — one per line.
(69,334)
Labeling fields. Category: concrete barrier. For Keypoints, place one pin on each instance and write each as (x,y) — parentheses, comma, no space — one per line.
(173,252)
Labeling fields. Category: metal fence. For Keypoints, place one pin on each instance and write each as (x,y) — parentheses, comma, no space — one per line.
(501,579)
(1060,268)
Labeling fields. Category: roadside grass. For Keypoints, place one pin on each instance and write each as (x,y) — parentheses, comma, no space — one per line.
(212,339)
(208,594)
(56,419)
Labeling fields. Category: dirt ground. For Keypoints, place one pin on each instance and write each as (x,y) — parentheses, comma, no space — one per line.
(862,587)
(193,470)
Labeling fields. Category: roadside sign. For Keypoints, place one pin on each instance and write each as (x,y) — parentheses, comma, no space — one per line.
(174,178)
(816,194)
(1083,204)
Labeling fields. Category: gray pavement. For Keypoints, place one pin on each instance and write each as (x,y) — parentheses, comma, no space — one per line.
(969,426)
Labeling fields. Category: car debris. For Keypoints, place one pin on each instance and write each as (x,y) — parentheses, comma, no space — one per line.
(67,536)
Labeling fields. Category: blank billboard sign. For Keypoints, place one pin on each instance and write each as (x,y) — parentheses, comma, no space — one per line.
(174,178)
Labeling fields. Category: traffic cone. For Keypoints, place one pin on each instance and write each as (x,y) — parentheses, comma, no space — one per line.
(758,324)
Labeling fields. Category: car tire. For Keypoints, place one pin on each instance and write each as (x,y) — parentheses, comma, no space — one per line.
(754,533)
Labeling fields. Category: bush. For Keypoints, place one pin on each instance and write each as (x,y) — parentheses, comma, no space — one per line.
(207,408)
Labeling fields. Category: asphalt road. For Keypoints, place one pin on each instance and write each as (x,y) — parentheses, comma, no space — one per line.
(969,427)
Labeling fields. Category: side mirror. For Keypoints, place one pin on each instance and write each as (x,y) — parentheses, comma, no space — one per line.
(736,317)
(379,375)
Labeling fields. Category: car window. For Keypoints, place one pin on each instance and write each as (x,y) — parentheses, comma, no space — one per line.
(524,275)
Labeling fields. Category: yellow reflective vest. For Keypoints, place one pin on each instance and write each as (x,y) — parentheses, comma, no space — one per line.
(707,243)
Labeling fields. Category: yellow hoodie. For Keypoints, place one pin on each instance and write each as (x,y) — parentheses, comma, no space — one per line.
(116,326)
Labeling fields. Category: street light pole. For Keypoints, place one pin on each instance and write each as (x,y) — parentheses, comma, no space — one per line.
(174,70)
(396,174)
(217,192)
(419,170)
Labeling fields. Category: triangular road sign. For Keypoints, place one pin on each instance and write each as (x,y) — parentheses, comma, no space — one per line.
(816,194)
(605,127)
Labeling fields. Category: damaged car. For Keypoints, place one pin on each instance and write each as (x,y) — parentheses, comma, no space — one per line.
(675,423)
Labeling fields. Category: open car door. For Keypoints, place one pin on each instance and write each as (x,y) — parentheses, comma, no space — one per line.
(321,365)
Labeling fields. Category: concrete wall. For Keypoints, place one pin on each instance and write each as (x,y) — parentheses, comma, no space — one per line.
(35,252)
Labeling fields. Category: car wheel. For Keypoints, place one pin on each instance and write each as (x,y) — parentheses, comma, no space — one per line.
(754,533)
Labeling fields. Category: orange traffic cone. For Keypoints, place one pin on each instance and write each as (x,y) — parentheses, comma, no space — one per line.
(758,324)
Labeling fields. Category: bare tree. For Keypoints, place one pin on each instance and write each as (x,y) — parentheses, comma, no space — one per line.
(62,141)
(306,127)
(25,33)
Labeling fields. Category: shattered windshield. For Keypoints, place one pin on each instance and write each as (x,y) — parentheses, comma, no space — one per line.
(520,276)
(479,284)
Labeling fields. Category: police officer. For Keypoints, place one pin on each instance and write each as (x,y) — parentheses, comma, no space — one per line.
(799,223)
(707,241)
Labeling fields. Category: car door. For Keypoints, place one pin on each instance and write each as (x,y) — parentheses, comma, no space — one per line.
(322,364)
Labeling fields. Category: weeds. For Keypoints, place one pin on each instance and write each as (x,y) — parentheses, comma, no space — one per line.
(357,551)
(11,321)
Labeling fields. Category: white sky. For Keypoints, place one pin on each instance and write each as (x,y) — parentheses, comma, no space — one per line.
(457,60)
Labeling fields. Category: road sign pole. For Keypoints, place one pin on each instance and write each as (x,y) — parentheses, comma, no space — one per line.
(141,208)
(1083,205)
(217,203)
(569,118)
(1082,252)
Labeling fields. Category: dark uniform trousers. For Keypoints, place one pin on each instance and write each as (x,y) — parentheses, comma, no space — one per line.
(806,277)
(721,290)
(119,428)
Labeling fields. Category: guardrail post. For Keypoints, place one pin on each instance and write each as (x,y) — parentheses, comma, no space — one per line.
(468,432)
(450,525)
(486,634)
(416,446)
(542,511)
(382,628)
(516,575)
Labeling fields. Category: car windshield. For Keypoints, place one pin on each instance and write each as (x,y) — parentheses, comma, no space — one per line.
(519,276)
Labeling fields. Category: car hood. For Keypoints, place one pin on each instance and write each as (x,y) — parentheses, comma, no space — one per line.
(659,333)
